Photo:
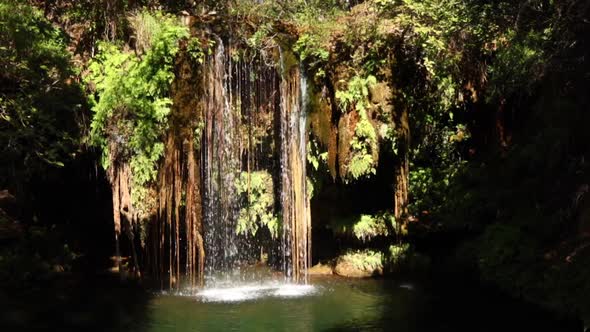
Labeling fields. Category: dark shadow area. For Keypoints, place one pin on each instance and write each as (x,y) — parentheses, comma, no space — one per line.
(453,306)
(76,201)
(339,203)
(75,303)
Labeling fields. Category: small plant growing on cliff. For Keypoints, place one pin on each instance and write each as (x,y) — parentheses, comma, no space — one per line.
(370,226)
(196,49)
(365,226)
(256,191)
(357,93)
(311,51)
(364,142)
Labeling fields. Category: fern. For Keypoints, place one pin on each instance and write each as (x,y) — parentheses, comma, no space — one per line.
(364,142)
(132,101)
(256,191)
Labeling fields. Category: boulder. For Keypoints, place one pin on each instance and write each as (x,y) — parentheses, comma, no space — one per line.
(320,270)
(362,264)
(349,270)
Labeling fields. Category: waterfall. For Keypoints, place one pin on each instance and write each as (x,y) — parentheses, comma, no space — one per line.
(243,98)
(238,113)
(221,166)
(296,236)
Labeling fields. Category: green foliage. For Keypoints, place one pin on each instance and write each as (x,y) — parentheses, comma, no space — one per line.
(370,226)
(422,184)
(366,227)
(434,27)
(316,22)
(311,51)
(396,259)
(388,134)
(356,95)
(364,147)
(364,260)
(397,254)
(518,65)
(101,21)
(40,101)
(198,49)
(256,191)
(429,187)
(503,244)
(364,142)
(133,103)
(198,133)
(262,38)
(146,27)
(310,186)
(319,167)
(316,158)
(401,258)
(385,5)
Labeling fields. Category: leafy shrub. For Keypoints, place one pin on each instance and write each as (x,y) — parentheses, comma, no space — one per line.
(256,190)
(398,253)
(356,95)
(40,101)
(311,51)
(366,227)
(365,260)
(133,96)
(369,226)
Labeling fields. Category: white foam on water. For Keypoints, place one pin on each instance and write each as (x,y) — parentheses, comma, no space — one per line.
(253,292)
(228,294)
(294,290)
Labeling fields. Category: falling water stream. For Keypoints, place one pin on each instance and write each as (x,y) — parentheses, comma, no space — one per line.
(221,166)
(242,95)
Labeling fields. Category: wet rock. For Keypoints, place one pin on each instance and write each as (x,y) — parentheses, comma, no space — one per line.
(349,270)
(346,127)
(320,269)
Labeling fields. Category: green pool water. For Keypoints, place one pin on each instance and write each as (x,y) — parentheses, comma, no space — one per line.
(323,305)
(326,304)
(337,304)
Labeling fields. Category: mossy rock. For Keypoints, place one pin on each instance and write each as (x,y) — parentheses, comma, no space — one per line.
(360,264)
(380,93)
(346,127)
(373,263)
